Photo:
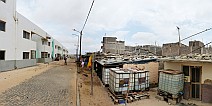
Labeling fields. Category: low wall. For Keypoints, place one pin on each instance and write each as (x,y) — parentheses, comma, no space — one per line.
(7,65)
(25,63)
(207,93)
(44,60)
(13,64)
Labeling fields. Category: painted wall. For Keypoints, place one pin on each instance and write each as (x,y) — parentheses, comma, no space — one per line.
(152,67)
(13,43)
(206,68)
(7,41)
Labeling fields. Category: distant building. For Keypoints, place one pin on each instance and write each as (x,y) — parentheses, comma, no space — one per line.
(172,49)
(157,50)
(111,45)
(197,47)
(144,50)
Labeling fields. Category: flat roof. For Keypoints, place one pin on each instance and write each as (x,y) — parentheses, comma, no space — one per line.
(185,60)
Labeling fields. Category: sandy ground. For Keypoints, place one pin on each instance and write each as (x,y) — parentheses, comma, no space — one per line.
(12,78)
(100,96)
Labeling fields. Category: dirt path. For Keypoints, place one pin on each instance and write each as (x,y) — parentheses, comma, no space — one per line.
(99,97)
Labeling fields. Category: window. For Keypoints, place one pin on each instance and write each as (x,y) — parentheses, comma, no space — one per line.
(186,70)
(3,1)
(25,55)
(2,55)
(33,54)
(44,54)
(49,43)
(26,35)
(44,42)
(2,25)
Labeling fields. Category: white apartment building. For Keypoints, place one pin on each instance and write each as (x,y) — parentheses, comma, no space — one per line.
(22,43)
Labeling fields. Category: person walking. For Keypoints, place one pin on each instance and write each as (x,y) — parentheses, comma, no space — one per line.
(65,58)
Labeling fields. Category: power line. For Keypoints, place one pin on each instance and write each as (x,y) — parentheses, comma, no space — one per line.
(87,16)
(200,47)
(196,34)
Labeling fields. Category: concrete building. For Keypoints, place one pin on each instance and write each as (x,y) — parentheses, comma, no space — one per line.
(197,47)
(22,43)
(173,49)
(111,45)
(144,50)
(157,50)
(198,77)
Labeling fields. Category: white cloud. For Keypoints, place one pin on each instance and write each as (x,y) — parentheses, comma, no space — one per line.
(144,38)
(160,17)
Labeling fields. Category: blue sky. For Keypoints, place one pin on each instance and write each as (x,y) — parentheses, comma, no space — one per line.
(138,22)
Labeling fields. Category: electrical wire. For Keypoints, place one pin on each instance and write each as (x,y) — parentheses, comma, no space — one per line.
(88,16)
(196,34)
(200,47)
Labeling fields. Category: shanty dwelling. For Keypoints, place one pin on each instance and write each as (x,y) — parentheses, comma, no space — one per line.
(146,64)
(198,77)
(102,69)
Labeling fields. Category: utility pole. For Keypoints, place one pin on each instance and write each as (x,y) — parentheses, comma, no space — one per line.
(80,45)
(178,29)
(93,61)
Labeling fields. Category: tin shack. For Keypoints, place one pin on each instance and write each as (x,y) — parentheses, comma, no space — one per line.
(102,68)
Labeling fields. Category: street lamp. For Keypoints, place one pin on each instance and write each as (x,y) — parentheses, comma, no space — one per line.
(80,42)
(77,47)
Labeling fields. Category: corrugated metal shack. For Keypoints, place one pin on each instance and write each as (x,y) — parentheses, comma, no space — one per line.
(102,68)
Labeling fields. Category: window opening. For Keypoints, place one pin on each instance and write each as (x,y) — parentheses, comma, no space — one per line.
(25,55)
(2,55)
(2,25)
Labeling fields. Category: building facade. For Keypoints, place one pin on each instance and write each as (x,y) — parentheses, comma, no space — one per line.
(111,45)
(174,49)
(195,47)
(198,77)
(23,43)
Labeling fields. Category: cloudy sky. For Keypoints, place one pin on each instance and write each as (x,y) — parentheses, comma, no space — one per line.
(138,22)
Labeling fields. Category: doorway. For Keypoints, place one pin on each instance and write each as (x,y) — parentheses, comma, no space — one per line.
(196,72)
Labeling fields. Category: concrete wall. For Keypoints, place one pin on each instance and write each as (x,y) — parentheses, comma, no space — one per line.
(7,41)
(206,75)
(206,68)
(172,49)
(13,43)
(7,65)
(44,60)
(12,64)
(152,67)
(25,63)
